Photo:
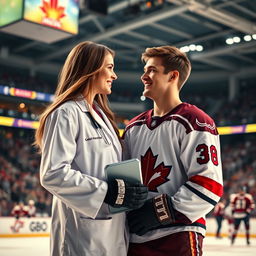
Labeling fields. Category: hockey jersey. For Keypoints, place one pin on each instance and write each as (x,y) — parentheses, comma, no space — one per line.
(180,156)
(241,205)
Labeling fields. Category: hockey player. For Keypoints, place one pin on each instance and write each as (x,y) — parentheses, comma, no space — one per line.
(178,145)
(31,209)
(218,212)
(18,211)
(241,204)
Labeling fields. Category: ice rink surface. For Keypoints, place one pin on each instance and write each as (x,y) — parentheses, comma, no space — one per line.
(39,246)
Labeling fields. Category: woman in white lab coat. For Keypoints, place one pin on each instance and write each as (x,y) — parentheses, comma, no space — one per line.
(78,137)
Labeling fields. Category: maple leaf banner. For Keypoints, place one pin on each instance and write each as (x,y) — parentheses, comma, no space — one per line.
(58,14)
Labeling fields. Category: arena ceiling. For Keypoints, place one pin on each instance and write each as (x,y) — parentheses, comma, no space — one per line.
(129,28)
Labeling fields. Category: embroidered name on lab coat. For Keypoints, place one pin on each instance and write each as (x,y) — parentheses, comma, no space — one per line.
(93,138)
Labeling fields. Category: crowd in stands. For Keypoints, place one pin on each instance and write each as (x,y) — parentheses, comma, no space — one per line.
(19,167)
(19,177)
(239,162)
(241,110)
(25,81)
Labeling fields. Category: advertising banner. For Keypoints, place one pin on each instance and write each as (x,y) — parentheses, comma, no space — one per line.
(58,14)
(34,226)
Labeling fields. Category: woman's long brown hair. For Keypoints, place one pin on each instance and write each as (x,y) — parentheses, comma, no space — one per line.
(83,62)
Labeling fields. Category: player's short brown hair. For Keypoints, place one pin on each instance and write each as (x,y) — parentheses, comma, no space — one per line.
(172,59)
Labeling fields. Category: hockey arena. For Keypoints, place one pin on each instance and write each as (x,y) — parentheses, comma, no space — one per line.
(175,89)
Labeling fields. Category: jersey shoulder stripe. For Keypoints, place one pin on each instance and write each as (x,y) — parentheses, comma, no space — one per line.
(182,120)
(196,117)
(138,120)
(189,116)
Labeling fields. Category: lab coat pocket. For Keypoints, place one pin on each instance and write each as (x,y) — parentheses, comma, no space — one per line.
(103,236)
(95,235)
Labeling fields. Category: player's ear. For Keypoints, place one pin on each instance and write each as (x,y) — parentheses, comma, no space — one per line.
(173,75)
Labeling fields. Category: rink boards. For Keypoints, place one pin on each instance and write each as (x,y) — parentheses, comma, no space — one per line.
(24,227)
(40,226)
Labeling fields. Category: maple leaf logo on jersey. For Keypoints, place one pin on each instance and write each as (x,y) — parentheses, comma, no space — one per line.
(153,177)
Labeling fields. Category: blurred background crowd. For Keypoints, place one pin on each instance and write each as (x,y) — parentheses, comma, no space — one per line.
(19,161)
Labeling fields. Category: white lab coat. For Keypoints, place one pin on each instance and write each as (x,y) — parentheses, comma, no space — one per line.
(74,154)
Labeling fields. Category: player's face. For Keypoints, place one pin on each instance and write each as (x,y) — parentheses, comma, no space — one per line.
(102,82)
(241,192)
(154,79)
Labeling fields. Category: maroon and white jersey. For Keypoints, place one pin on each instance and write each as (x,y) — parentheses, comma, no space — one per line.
(30,210)
(241,204)
(18,211)
(180,156)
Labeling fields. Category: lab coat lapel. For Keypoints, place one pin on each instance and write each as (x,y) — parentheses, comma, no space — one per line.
(105,124)
(107,127)
(84,106)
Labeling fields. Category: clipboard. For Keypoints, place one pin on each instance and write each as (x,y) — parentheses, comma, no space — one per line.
(129,171)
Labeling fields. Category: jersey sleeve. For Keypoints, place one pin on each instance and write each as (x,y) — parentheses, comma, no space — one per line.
(251,204)
(201,159)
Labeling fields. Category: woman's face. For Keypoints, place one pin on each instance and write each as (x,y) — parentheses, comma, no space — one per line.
(102,82)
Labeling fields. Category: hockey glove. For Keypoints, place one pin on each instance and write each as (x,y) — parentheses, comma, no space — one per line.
(123,194)
(156,212)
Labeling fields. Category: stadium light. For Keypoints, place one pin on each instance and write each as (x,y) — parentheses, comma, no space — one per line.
(247,38)
(237,39)
(229,41)
(199,48)
(142,98)
(192,48)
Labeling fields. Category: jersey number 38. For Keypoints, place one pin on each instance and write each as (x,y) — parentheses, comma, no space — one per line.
(206,154)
